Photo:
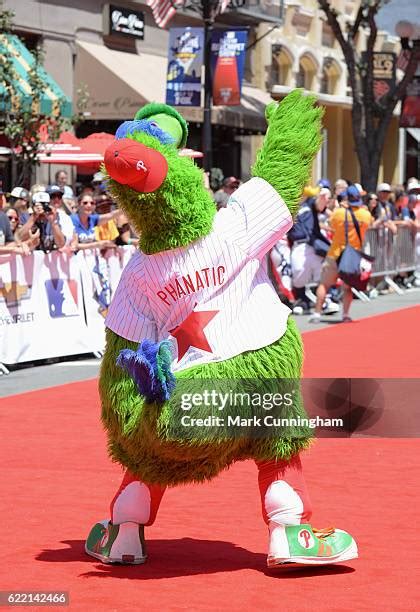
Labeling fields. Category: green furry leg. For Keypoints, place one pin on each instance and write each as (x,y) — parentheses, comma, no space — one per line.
(138,432)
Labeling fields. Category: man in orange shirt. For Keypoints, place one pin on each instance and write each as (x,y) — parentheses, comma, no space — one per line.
(329,270)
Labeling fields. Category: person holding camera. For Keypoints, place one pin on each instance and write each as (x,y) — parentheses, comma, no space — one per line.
(43,225)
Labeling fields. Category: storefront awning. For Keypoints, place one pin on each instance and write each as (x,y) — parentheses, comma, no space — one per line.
(249,114)
(118,82)
(53,98)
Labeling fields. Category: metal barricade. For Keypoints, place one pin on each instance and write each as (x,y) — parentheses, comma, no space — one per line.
(405,250)
(394,253)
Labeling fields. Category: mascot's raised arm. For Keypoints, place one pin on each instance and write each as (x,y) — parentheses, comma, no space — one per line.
(195,311)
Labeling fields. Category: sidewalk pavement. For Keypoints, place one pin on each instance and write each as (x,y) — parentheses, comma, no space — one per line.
(72,369)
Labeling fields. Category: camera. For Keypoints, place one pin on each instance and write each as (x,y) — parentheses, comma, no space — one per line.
(46,208)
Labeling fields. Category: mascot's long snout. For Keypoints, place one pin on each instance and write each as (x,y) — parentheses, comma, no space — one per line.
(133,164)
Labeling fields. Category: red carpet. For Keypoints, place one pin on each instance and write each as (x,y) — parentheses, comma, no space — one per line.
(385,346)
(208,546)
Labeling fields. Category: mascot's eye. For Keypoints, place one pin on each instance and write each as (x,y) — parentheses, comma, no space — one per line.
(154,124)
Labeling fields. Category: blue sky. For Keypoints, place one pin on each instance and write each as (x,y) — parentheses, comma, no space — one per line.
(398,10)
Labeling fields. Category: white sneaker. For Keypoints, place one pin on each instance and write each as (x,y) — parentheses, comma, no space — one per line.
(315,318)
(117,543)
(330,307)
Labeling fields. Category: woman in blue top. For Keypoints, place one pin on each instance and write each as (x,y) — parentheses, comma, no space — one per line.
(85,221)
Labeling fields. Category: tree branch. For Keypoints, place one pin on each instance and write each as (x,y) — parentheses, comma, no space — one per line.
(347,46)
(358,21)
(368,80)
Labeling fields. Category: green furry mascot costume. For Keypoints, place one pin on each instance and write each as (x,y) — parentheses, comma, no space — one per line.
(195,323)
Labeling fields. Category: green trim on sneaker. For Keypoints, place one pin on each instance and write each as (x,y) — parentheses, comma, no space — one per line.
(309,546)
(123,543)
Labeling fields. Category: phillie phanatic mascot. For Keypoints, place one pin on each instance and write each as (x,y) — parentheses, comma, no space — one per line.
(194,312)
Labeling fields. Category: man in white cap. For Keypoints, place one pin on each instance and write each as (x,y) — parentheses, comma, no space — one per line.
(44,221)
(384,192)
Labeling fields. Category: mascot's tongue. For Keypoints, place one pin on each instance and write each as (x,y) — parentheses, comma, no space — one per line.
(132,163)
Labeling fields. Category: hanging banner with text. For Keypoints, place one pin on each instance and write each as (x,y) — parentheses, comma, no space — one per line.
(228,63)
(384,75)
(410,108)
(185,60)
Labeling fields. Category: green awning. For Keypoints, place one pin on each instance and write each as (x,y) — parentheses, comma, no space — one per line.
(23,60)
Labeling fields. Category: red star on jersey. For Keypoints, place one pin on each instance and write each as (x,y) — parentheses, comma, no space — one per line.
(191,332)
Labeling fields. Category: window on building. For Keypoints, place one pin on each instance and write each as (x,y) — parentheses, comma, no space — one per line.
(281,66)
(330,76)
(307,73)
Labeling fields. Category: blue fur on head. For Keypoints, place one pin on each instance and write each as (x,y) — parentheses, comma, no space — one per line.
(149,367)
(146,126)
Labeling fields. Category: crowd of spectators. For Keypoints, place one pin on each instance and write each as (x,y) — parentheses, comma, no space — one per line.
(308,257)
(58,217)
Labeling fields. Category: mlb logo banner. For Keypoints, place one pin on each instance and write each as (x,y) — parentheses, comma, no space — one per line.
(41,307)
(228,50)
(62,295)
(185,60)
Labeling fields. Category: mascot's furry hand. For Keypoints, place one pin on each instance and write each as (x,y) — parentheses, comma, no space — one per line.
(290,145)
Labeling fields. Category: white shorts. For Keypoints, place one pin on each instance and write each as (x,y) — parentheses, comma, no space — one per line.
(306,265)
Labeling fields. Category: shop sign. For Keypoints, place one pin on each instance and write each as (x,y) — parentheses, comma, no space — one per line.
(120,21)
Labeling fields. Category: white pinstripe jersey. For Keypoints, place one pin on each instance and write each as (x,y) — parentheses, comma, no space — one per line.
(212,298)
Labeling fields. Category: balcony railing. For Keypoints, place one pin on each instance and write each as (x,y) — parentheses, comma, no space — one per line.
(257,10)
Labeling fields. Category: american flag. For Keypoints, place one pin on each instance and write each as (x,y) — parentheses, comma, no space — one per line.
(164,10)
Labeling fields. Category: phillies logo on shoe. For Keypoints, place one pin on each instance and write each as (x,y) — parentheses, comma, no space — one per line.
(105,537)
(305,538)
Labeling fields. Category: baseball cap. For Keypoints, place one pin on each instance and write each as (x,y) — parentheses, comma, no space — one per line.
(360,189)
(41,197)
(413,185)
(384,187)
(324,183)
(20,193)
(353,196)
(310,191)
(325,191)
(131,163)
(54,189)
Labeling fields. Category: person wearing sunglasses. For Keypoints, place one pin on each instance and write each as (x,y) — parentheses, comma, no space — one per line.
(86,220)
(13,220)
(56,201)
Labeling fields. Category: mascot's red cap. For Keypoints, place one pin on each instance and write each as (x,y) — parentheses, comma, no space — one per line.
(132,163)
